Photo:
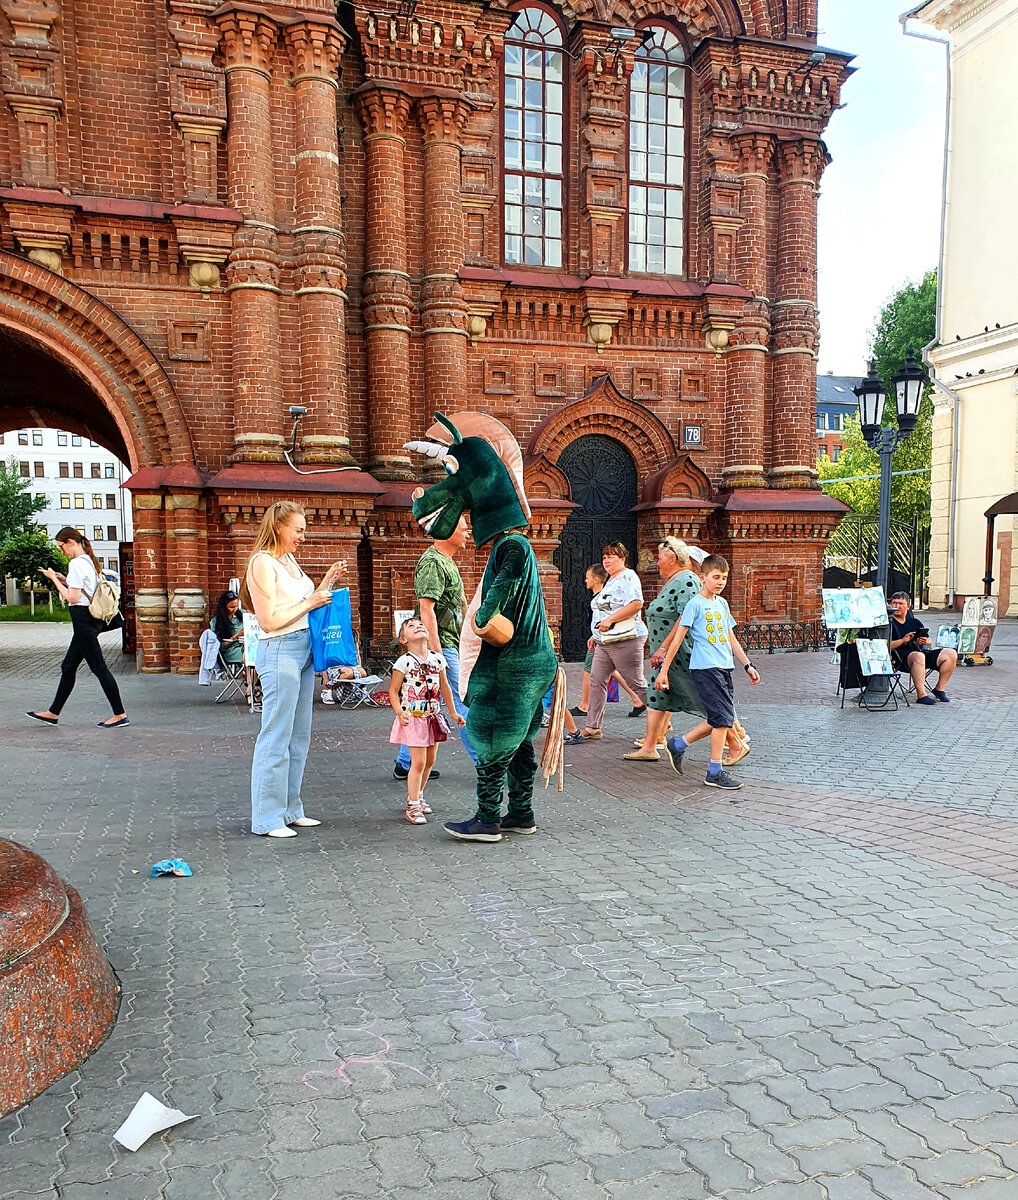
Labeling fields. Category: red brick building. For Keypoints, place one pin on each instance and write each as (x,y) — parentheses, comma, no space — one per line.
(212,213)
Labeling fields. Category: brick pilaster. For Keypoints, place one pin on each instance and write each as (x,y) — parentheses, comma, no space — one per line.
(188,571)
(248,42)
(745,439)
(443,309)
(150,598)
(387,303)
(604,153)
(319,248)
(794,315)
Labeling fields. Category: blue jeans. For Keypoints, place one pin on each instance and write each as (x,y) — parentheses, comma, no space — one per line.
(452,657)
(287,676)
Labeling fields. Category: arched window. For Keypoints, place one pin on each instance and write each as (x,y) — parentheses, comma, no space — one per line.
(532,112)
(657,155)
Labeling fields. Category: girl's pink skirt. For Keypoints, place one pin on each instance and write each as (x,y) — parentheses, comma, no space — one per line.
(416,732)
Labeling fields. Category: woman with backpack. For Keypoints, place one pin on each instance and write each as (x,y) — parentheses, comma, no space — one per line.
(77,588)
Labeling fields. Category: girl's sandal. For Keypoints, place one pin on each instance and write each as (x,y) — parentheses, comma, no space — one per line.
(414,815)
(425,806)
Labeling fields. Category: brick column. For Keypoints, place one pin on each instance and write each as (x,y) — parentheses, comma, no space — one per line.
(315,48)
(387,301)
(187,552)
(745,448)
(248,42)
(443,309)
(794,316)
(150,599)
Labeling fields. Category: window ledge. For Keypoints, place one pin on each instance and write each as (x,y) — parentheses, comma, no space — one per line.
(643,286)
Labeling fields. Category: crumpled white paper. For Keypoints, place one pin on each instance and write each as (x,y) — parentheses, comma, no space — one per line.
(147,1117)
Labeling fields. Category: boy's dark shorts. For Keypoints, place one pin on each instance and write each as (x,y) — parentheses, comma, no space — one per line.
(717,695)
(588,661)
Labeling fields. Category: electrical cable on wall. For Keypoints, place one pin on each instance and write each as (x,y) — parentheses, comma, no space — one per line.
(297,411)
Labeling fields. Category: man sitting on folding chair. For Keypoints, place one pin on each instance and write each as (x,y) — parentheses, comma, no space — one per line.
(912,651)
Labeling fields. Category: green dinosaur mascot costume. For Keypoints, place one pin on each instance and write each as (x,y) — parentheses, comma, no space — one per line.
(507,683)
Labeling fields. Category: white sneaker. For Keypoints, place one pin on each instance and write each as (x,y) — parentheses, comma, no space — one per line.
(281,832)
(327,696)
(305,823)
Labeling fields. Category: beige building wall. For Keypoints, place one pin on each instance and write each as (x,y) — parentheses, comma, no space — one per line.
(978,351)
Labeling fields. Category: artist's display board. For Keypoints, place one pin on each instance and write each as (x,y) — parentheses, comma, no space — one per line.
(854,608)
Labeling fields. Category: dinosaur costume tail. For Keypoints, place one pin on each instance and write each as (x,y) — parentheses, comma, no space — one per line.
(552,762)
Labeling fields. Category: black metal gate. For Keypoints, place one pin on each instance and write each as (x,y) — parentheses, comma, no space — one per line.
(602,476)
(851,556)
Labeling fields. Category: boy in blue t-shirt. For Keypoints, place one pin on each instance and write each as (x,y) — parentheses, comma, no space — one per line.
(708,620)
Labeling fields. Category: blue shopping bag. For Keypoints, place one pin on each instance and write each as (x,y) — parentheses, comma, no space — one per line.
(331,628)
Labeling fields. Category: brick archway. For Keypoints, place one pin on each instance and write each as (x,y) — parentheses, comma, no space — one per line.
(90,340)
(605,410)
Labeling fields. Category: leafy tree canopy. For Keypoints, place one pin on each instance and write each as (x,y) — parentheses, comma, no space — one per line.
(17,505)
(26,554)
(908,319)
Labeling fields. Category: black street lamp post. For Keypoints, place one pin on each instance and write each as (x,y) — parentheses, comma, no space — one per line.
(885,439)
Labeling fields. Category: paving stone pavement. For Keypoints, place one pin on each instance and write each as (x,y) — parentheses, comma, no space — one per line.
(805,994)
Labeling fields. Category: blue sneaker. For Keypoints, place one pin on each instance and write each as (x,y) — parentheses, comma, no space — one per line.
(515,825)
(473,831)
(926,700)
(675,755)
(723,780)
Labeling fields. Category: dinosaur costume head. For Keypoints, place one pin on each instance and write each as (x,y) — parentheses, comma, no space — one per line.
(484,477)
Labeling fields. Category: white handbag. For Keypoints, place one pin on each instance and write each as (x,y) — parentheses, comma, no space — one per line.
(621,631)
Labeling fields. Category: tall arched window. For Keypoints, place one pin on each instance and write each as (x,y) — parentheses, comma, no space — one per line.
(657,155)
(532,111)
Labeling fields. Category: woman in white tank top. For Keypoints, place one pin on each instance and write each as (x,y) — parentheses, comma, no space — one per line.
(282,596)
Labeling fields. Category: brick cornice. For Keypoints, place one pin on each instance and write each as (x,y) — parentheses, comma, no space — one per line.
(442,118)
(383,110)
(801,160)
(755,150)
(31,20)
(248,38)
(315,46)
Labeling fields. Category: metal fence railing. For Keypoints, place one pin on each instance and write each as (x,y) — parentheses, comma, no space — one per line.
(771,636)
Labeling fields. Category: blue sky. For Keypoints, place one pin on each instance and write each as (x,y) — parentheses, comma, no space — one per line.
(880,196)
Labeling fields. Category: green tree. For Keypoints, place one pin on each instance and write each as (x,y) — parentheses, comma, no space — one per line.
(26,554)
(17,506)
(908,319)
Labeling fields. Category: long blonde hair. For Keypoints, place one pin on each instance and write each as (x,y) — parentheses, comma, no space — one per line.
(268,539)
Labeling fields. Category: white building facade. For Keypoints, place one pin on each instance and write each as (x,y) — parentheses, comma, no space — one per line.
(81,483)
(975,358)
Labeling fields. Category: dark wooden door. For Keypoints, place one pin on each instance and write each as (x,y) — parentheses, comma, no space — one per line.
(602,477)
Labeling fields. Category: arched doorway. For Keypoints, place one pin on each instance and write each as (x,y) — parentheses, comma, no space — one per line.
(70,363)
(603,481)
